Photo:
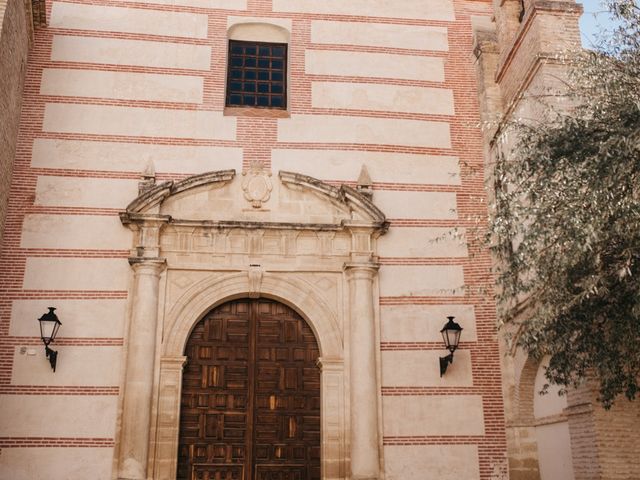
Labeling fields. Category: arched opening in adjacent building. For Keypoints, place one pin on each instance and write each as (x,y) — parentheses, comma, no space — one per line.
(552,429)
(250,405)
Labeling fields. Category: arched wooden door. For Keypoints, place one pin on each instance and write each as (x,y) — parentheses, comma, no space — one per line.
(250,396)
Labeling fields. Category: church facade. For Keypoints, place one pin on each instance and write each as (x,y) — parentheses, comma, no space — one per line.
(253,218)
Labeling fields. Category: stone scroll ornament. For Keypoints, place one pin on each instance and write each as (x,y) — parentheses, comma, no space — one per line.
(256,185)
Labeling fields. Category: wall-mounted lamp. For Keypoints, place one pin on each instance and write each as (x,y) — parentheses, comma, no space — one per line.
(49,325)
(451,335)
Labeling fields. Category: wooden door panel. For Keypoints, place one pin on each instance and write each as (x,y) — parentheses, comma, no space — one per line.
(287,389)
(279,472)
(217,472)
(251,396)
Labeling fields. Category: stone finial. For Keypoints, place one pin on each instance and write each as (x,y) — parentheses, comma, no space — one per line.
(364,184)
(148,178)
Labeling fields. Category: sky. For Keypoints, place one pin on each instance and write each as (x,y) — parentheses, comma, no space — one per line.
(593,20)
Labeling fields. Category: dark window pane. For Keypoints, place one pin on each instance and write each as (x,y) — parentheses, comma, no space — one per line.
(257,74)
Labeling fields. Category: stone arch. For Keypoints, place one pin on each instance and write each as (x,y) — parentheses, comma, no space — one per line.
(525,389)
(298,294)
(523,447)
(189,309)
(543,437)
(553,436)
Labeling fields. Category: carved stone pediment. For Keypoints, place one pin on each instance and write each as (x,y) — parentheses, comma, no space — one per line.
(292,201)
(217,218)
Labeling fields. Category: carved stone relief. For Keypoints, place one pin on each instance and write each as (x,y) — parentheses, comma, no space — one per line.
(257,186)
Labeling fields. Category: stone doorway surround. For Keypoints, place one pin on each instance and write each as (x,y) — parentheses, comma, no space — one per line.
(213,237)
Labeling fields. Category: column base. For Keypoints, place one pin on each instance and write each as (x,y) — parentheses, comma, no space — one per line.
(131,470)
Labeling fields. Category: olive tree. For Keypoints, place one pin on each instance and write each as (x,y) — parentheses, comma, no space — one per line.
(565,223)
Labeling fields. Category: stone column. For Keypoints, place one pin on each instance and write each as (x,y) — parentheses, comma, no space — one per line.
(138,386)
(365,455)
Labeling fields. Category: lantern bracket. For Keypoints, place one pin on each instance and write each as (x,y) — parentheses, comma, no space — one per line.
(52,355)
(444,363)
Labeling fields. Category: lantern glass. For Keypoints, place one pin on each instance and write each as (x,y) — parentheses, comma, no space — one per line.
(451,334)
(49,325)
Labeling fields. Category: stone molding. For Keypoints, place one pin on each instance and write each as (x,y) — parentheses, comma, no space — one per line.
(158,194)
(344,196)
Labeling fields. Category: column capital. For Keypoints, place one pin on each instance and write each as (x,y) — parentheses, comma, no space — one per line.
(329,364)
(173,363)
(361,269)
(360,226)
(148,265)
(144,220)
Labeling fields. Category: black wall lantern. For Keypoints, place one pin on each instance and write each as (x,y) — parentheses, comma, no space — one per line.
(49,325)
(451,335)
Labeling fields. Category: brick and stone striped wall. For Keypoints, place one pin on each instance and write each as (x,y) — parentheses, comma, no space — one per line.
(114,85)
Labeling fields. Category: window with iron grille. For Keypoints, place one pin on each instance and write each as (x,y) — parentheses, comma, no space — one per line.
(256,75)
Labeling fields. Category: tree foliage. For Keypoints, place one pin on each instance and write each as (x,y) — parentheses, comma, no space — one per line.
(565,223)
